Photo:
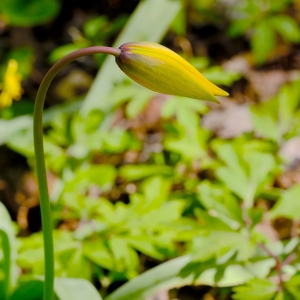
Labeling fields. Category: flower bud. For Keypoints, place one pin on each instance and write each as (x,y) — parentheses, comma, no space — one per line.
(162,70)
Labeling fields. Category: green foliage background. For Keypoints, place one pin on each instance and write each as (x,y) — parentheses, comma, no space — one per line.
(139,184)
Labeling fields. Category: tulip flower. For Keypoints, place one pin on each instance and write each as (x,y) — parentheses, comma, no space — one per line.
(151,65)
(162,70)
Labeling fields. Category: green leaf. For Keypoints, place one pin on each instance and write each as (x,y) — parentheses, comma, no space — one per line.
(279,6)
(117,140)
(246,173)
(179,23)
(68,255)
(98,253)
(233,175)
(156,191)
(218,76)
(22,142)
(101,175)
(145,245)
(75,264)
(284,295)
(190,144)
(259,164)
(17,109)
(30,254)
(64,50)
(30,290)
(292,287)
(94,26)
(75,289)
(288,102)
(288,205)
(221,203)
(239,27)
(137,172)
(262,41)
(126,258)
(138,103)
(210,222)
(232,273)
(161,277)
(65,289)
(256,215)
(7,254)
(287,27)
(215,244)
(29,13)
(256,289)
(184,109)
(180,272)
(277,118)
(221,244)
(9,128)
(265,124)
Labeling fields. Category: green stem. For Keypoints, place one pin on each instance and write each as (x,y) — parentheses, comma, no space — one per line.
(40,159)
(6,264)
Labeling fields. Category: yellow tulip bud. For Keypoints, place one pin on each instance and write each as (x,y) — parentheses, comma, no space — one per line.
(162,70)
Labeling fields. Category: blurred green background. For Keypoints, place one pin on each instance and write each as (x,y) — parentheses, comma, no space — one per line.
(201,199)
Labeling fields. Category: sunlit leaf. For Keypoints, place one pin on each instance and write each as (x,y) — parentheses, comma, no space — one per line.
(277,118)
(262,41)
(136,172)
(287,27)
(75,289)
(126,257)
(98,253)
(264,123)
(260,289)
(138,103)
(180,272)
(7,254)
(220,202)
(288,205)
(245,174)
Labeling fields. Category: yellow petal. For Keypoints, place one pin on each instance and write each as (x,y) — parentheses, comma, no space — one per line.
(162,70)
(11,87)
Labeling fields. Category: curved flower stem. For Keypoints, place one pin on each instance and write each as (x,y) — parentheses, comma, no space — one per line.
(40,159)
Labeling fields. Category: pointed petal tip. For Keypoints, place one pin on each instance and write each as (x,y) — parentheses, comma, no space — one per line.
(216,91)
(223,93)
(216,101)
(210,98)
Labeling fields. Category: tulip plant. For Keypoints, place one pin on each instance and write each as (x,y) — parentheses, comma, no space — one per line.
(149,64)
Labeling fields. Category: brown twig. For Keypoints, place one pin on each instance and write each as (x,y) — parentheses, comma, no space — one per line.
(289,259)
(279,264)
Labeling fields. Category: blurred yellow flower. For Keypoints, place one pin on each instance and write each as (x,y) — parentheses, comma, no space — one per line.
(11,87)
(162,70)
